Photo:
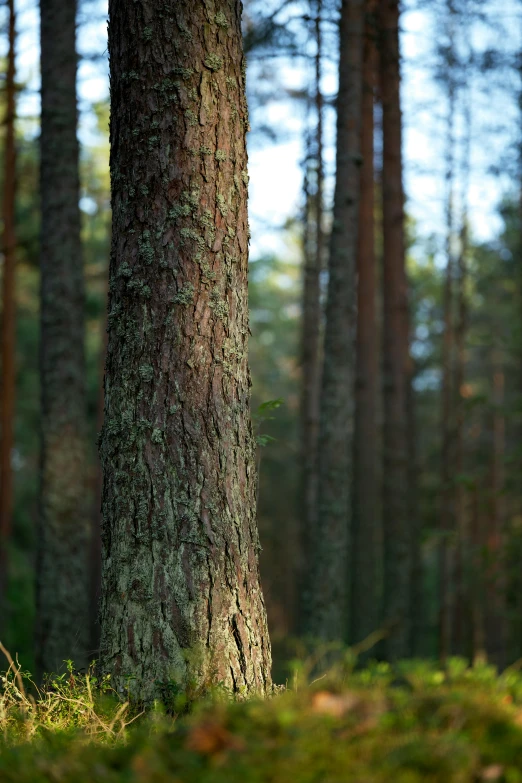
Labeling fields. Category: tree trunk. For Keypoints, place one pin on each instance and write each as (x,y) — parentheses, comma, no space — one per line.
(397,547)
(496,607)
(447,519)
(96,543)
(329,579)
(181,603)
(8,317)
(418,601)
(460,622)
(364,604)
(478,594)
(460,603)
(311,330)
(63,572)
(516,578)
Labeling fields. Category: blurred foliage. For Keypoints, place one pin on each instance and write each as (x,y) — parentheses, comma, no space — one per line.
(410,723)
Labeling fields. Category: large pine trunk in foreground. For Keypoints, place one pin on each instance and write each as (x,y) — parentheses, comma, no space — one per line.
(328,612)
(62,577)
(365,613)
(397,544)
(7,392)
(181,598)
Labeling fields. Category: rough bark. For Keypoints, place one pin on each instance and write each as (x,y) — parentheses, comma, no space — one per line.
(396,364)
(8,315)
(62,572)
(311,326)
(364,603)
(181,603)
(329,582)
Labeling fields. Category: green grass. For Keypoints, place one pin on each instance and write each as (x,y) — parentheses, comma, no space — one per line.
(406,724)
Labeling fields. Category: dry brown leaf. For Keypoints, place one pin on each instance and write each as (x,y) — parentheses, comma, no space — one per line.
(493,772)
(211,738)
(334,704)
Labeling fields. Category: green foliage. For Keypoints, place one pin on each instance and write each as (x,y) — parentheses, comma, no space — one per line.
(261,415)
(274,297)
(410,723)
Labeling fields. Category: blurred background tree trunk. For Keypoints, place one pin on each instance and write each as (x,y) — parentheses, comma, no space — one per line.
(311,319)
(8,385)
(64,529)
(397,370)
(365,597)
(329,578)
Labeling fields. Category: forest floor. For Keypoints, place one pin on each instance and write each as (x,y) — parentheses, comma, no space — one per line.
(408,724)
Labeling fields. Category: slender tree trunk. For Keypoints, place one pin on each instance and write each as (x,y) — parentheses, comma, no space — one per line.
(311,328)
(397,370)
(418,608)
(181,597)
(460,621)
(496,617)
(516,579)
(447,549)
(329,580)
(478,638)
(96,543)
(63,571)
(8,316)
(365,606)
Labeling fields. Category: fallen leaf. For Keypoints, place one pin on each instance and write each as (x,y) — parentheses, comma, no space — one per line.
(212,737)
(334,704)
(493,772)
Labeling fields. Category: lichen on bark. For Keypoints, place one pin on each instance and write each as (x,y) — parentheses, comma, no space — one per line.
(181,601)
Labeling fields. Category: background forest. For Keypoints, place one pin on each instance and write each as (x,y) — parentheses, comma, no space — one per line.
(462,147)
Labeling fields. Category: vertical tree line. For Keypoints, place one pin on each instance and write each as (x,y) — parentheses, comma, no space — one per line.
(311,347)
(397,565)
(8,366)
(64,525)
(364,604)
(329,578)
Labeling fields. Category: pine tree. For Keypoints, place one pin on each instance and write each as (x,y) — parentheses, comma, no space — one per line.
(62,573)
(364,613)
(8,313)
(397,368)
(329,580)
(313,245)
(181,598)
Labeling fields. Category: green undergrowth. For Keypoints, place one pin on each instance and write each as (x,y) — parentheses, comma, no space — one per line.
(403,724)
